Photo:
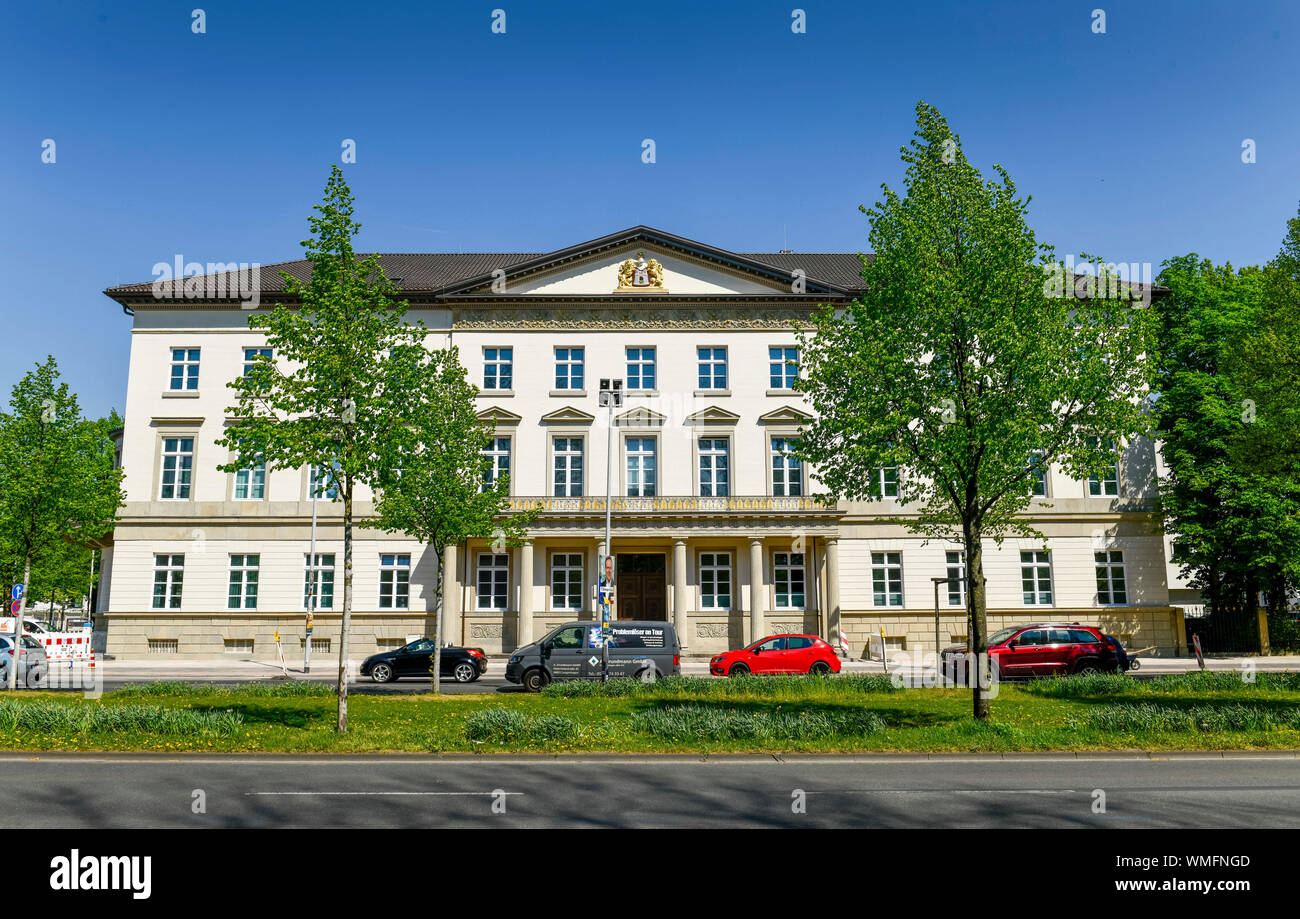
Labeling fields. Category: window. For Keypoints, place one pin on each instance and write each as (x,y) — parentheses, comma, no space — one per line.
(185,369)
(251,355)
(168,578)
(1107,483)
(568,368)
(498,364)
(640,368)
(715,580)
(324,570)
(713,368)
(886,578)
(243,582)
(788,579)
(1112,586)
(164,645)
(324,483)
(493,580)
(787,472)
(394,581)
(1036,576)
(886,482)
(566,580)
(715,467)
(497,466)
(956,562)
(642,473)
(1037,475)
(783,367)
(177,468)
(250,482)
(567,459)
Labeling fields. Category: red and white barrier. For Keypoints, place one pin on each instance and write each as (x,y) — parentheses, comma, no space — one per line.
(65,646)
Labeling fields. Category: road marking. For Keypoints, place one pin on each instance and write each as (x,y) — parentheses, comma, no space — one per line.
(386,794)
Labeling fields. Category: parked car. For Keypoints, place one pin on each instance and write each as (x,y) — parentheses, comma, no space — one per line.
(33,665)
(1123,662)
(1040,649)
(464,665)
(638,649)
(779,654)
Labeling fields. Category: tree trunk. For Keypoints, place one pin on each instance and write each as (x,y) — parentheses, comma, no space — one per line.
(347,610)
(437,627)
(977,636)
(18,622)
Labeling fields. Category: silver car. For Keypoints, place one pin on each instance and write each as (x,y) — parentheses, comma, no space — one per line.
(33,665)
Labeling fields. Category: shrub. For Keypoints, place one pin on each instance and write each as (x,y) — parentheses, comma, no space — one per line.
(738,687)
(269,689)
(1128,719)
(1118,684)
(502,725)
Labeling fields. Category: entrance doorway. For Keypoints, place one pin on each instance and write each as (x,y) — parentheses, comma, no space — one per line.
(642,581)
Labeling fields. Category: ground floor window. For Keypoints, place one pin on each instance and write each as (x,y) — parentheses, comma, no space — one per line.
(243,582)
(168,579)
(1112,588)
(956,577)
(715,580)
(394,581)
(566,580)
(1036,576)
(886,578)
(788,579)
(493,580)
(324,570)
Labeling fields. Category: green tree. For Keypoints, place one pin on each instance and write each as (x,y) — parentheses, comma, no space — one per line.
(963,367)
(58,481)
(434,489)
(331,399)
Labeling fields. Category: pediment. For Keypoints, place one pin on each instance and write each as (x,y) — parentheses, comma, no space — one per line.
(499,416)
(640,417)
(568,415)
(713,415)
(786,414)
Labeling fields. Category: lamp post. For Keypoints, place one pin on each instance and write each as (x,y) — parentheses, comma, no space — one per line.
(611,397)
(938,649)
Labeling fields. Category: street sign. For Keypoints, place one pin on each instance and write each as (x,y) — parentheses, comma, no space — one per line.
(17,592)
(16,606)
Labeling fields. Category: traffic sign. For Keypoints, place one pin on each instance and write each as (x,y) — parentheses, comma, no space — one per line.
(17,605)
(17,592)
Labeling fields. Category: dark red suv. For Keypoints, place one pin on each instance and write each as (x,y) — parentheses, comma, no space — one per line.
(1042,649)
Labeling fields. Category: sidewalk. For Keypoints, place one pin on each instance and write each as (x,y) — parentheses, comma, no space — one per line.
(326,668)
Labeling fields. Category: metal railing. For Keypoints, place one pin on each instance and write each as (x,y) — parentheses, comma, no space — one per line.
(672,504)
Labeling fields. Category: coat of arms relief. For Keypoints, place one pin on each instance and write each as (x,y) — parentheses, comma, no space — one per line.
(642,275)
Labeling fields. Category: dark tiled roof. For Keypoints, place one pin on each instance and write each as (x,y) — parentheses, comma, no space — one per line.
(843,269)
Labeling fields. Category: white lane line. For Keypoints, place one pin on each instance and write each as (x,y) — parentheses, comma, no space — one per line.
(386,794)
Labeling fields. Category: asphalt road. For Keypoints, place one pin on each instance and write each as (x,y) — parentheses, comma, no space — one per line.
(86,791)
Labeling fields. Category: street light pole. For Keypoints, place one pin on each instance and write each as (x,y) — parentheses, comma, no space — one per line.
(611,396)
(938,648)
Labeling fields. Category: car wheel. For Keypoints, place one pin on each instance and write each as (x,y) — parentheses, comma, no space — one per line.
(738,670)
(465,672)
(382,673)
(536,679)
(819,668)
(1088,668)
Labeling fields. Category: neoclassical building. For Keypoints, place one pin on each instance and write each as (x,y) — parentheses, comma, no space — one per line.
(716,526)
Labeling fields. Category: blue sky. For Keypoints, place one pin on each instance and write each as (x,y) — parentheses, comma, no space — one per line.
(215,146)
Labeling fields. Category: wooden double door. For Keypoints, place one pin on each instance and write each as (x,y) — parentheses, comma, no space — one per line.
(642,585)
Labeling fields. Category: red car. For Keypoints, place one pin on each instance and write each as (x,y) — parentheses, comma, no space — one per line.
(1042,649)
(779,654)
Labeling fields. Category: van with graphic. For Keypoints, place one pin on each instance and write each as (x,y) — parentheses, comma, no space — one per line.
(645,650)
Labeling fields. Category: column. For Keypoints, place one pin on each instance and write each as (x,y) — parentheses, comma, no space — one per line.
(450,597)
(757,628)
(833,594)
(524,635)
(679,590)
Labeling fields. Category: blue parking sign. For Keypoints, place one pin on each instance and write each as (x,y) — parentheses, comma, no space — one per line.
(18,592)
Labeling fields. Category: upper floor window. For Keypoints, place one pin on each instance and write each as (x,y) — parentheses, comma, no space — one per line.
(787,471)
(885,484)
(713,367)
(394,581)
(185,369)
(568,368)
(566,454)
(496,462)
(498,368)
(783,366)
(642,471)
(1107,483)
(251,355)
(325,482)
(250,482)
(1037,475)
(640,368)
(177,468)
(715,467)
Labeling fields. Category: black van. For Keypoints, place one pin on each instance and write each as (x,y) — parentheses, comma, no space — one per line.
(639,649)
